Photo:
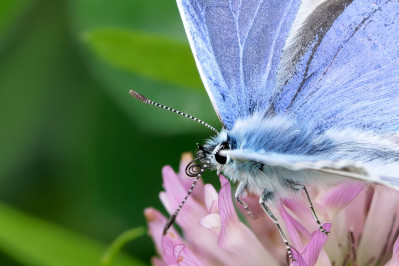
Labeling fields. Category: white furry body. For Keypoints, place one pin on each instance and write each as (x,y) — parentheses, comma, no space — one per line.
(266,152)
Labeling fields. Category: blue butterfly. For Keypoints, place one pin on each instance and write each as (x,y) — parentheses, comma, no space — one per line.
(307,93)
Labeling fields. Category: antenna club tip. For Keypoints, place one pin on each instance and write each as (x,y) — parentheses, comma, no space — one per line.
(138,96)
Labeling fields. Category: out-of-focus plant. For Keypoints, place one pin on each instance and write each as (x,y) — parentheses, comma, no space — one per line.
(32,241)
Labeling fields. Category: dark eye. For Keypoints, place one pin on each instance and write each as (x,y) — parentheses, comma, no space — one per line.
(220,158)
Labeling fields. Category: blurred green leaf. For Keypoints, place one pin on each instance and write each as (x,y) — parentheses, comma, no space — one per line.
(27,87)
(32,241)
(153,16)
(156,18)
(118,244)
(10,11)
(148,55)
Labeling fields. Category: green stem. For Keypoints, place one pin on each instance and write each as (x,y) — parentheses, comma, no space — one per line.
(119,242)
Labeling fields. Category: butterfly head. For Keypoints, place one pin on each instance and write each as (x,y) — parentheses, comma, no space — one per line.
(208,156)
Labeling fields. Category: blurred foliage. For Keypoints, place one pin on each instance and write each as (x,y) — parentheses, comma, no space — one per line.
(145,20)
(139,53)
(76,150)
(49,244)
(10,12)
(150,56)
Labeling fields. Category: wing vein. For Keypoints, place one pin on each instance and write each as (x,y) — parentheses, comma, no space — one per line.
(271,50)
(350,37)
(252,22)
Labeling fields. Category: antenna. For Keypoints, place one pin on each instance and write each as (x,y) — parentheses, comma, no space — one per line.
(144,99)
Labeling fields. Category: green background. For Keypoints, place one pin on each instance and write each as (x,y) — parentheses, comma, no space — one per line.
(79,158)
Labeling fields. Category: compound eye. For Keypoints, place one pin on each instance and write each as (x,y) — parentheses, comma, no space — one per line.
(220,158)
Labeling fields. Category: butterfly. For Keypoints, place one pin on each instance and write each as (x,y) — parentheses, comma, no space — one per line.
(307,93)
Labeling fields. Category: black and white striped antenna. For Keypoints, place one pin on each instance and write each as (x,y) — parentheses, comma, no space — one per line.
(144,99)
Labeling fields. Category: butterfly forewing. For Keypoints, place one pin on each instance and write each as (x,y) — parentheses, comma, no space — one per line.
(237,46)
(346,73)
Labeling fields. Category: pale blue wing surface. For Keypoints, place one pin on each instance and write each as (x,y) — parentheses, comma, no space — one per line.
(237,45)
(344,73)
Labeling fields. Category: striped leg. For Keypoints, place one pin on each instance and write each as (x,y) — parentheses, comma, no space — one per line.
(266,196)
(240,192)
(299,186)
(313,212)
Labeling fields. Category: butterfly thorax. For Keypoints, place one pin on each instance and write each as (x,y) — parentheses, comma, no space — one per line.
(256,134)
(282,135)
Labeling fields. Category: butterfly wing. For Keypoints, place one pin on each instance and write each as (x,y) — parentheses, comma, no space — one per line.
(331,63)
(340,168)
(343,71)
(237,47)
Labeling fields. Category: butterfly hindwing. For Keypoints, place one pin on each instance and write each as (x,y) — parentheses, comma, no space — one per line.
(337,168)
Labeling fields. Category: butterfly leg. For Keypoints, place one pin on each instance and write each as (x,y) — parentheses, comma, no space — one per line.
(268,195)
(296,186)
(241,192)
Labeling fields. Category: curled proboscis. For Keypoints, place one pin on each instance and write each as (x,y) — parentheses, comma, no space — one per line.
(193,169)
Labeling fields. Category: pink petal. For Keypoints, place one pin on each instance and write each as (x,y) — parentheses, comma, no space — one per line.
(350,219)
(338,197)
(169,242)
(299,235)
(226,207)
(223,180)
(298,260)
(383,208)
(211,198)
(173,186)
(395,255)
(237,238)
(192,211)
(355,214)
(211,222)
(184,256)
(158,262)
(264,228)
(156,221)
(214,208)
(302,211)
(202,240)
(165,201)
(312,251)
